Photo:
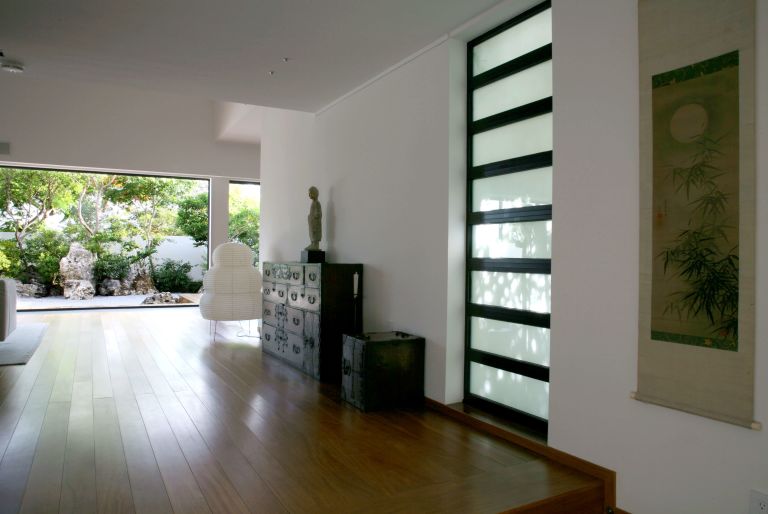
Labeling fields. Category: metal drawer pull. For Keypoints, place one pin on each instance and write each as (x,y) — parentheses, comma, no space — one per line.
(267,337)
(312,276)
(294,296)
(312,300)
(346,367)
(296,321)
(296,349)
(295,275)
(281,293)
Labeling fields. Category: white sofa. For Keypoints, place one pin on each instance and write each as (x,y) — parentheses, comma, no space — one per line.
(7,307)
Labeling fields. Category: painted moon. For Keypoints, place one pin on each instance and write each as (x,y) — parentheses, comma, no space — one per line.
(688,123)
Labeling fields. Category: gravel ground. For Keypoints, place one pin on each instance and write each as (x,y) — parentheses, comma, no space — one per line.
(59,302)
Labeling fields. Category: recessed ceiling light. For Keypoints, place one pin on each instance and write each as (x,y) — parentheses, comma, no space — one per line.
(12,67)
(286,59)
(271,72)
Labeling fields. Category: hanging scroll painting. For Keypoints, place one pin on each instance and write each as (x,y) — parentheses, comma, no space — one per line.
(696,341)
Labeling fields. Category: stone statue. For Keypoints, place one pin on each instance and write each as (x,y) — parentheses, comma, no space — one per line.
(315,221)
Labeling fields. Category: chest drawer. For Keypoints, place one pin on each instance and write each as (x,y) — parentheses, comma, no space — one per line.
(296,275)
(294,320)
(268,291)
(270,313)
(280,293)
(294,349)
(312,275)
(269,338)
(304,298)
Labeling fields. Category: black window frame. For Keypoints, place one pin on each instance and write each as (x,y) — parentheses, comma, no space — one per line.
(535,213)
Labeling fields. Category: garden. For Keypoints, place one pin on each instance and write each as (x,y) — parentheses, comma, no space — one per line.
(75,239)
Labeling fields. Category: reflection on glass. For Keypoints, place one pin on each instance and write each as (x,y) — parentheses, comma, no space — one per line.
(521,342)
(519,89)
(525,137)
(521,189)
(244,215)
(517,391)
(524,37)
(528,240)
(524,291)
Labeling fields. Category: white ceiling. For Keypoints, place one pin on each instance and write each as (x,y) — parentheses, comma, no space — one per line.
(224,49)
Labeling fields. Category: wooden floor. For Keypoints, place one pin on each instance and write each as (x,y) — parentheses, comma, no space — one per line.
(138,411)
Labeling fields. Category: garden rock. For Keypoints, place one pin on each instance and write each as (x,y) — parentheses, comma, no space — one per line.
(110,287)
(138,282)
(78,290)
(32,290)
(77,264)
(161,298)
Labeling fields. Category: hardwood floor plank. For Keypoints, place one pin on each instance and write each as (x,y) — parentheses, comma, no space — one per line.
(102,385)
(78,491)
(147,486)
(254,491)
(10,375)
(183,490)
(15,401)
(44,484)
(22,436)
(113,488)
(219,492)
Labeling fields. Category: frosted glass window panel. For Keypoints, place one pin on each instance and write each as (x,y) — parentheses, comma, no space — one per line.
(524,291)
(524,37)
(525,137)
(517,391)
(521,189)
(526,240)
(521,342)
(519,89)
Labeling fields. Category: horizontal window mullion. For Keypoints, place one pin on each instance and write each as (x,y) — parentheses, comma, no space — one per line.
(530,13)
(511,265)
(515,215)
(534,319)
(523,112)
(527,369)
(525,419)
(524,163)
(516,65)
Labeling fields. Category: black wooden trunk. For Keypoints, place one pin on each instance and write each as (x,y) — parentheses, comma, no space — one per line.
(383,369)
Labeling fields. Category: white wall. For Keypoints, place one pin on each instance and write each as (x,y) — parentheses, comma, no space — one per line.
(667,461)
(85,125)
(289,167)
(381,161)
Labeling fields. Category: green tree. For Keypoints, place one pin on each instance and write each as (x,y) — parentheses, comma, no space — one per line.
(29,197)
(151,204)
(244,217)
(192,218)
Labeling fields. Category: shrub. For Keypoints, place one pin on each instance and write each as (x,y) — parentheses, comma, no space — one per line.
(172,276)
(10,259)
(42,252)
(111,266)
